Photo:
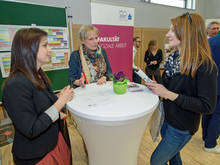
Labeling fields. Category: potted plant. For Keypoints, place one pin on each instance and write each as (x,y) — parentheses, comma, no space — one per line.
(119,82)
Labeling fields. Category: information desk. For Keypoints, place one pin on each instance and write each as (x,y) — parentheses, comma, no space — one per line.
(112,125)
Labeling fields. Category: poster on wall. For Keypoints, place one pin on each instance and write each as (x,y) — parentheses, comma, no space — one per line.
(57,36)
(6,37)
(115,25)
(58,60)
(5,63)
(57,40)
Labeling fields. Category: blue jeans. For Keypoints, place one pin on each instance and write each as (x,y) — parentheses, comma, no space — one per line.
(173,140)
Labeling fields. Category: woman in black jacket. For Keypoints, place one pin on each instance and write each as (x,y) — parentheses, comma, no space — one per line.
(32,105)
(189,87)
(153,57)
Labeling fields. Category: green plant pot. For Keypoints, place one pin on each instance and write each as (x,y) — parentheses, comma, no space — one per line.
(120,87)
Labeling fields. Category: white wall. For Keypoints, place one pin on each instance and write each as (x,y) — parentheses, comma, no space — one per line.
(154,15)
(146,15)
(81,9)
(212,9)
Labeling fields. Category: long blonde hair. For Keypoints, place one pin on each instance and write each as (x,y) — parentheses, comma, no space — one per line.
(190,30)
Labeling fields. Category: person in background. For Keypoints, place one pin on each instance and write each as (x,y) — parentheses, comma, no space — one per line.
(211,123)
(136,45)
(153,57)
(32,105)
(189,87)
(90,63)
(212,29)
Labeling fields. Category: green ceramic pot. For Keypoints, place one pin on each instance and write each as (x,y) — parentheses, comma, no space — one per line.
(120,87)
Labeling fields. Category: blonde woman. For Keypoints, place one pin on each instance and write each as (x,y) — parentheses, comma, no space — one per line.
(90,63)
(189,87)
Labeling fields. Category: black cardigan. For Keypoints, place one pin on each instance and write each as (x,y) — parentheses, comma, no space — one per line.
(197,95)
(35,133)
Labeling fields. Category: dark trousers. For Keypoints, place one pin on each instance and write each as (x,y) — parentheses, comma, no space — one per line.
(211,126)
(156,73)
(136,78)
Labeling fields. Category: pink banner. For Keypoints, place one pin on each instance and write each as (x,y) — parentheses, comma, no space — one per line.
(118,43)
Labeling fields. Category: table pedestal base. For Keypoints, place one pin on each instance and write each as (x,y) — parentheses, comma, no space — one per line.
(113,142)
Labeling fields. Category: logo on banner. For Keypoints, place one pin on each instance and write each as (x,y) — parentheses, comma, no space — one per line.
(125,15)
(111,42)
(109,39)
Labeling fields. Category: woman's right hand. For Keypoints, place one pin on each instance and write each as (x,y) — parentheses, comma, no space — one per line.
(65,95)
(80,82)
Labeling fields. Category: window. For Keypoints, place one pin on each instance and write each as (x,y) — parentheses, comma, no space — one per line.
(189,4)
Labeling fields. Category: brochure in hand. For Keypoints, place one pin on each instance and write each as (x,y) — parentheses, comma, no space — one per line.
(141,74)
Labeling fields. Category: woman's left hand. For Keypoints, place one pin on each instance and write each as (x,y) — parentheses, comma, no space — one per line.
(157,89)
(161,91)
(102,80)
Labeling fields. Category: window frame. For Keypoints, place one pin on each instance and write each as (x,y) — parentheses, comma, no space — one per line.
(192,5)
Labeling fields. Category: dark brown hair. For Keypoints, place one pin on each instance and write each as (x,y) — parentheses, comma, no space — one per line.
(151,43)
(135,38)
(24,51)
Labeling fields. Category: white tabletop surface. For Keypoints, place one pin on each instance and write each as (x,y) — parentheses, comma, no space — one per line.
(99,102)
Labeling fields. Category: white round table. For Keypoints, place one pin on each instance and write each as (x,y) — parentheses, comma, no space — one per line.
(112,125)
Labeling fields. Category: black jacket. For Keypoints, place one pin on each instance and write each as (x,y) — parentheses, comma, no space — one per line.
(150,57)
(197,95)
(35,134)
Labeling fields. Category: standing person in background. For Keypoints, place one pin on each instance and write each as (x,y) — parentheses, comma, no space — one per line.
(90,63)
(32,105)
(212,29)
(136,45)
(189,87)
(153,57)
(211,123)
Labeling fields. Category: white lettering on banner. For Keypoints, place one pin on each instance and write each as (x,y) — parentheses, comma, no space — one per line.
(121,45)
(107,46)
(111,42)
(109,39)
(111,46)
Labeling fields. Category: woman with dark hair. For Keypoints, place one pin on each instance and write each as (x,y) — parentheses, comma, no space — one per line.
(90,63)
(153,57)
(32,105)
(189,87)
